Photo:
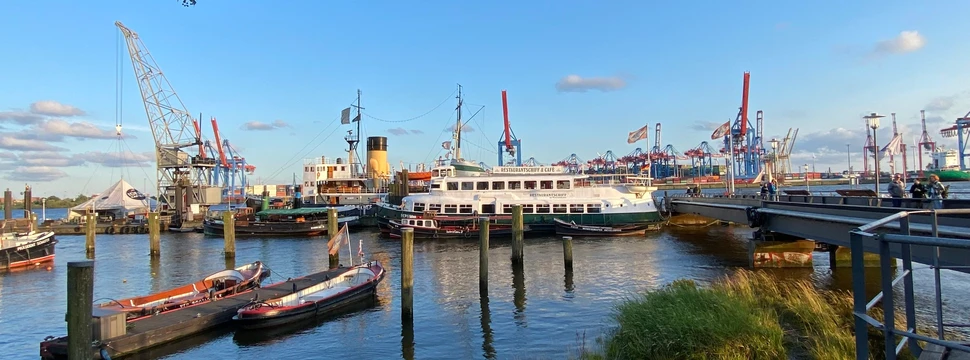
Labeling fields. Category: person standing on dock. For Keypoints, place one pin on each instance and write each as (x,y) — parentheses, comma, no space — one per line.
(772,190)
(896,190)
(935,192)
(917,191)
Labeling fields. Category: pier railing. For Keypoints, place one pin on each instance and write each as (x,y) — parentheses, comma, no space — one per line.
(861,306)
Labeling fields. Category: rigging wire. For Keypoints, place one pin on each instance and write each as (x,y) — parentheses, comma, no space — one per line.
(416,117)
(436,144)
(289,162)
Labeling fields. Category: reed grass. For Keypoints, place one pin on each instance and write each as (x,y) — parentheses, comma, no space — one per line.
(747,315)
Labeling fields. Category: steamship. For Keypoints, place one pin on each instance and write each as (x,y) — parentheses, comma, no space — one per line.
(336,181)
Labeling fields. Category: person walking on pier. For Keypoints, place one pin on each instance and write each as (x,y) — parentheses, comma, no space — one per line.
(935,192)
(896,190)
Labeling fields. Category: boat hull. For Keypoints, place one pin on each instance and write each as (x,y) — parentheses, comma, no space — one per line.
(308,228)
(543,222)
(949,175)
(28,254)
(252,320)
(569,229)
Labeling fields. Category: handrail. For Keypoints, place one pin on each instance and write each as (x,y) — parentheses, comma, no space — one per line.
(861,305)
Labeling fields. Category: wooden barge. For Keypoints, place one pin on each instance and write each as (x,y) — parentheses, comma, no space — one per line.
(119,338)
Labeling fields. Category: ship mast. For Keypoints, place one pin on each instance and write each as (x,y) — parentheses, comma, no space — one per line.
(353,139)
(458,128)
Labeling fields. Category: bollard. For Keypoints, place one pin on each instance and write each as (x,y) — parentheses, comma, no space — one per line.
(154,238)
(90,227)
(517,235)
(8,204)
(407,274)
(332,229)
(483,254)
(229,233)
(80,299)
(567,251)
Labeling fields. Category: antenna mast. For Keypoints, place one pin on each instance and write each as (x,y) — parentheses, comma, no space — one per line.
(353,139)
(458,127)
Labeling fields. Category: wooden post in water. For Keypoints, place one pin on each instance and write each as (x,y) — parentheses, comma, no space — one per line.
(90,227)
(7,204)
(154,238)
(518,244)
(332,229)
(567,251)
(407,274)
(80,298)
(483,254)
(229,233)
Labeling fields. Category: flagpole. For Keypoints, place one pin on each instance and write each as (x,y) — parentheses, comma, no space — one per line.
(350,249)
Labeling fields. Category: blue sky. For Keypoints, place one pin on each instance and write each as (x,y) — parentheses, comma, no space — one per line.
(815,66)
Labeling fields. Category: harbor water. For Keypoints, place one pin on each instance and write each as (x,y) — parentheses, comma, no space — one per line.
(539,312)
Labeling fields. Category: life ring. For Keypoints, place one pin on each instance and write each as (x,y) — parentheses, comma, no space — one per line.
(125,230)
(467,234)
(109,230)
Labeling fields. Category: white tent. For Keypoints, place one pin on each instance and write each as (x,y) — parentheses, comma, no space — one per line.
(119,200)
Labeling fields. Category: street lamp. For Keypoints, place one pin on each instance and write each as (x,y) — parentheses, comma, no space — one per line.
(872,120)
(848,157)
(774,158)
(808,187)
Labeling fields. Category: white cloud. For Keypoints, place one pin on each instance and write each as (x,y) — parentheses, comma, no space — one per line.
(116,159)
(466,128)
(20,117)
(398,131)
(54,108)
(35,174)
(705,125)
(416,131)
(14,143)
(261,126)
(576,83)
(80,130)
(905,42)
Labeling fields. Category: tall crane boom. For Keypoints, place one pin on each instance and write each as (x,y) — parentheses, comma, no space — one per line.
(173,129)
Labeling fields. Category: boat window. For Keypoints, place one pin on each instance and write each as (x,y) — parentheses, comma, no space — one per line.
(435,185)
(467,185)
(559,208)
(562,184)
(515,185)
(452,185)
(434,173)
(451,209)
(496,185)
(576,208)
(465,209)
(530,185)
(507,208)
(528,209)
(481,185)
(545,184)
(488,208)
(434,207)
(418,206)
(343,168)
(593,208)
(427,223)
(542,208)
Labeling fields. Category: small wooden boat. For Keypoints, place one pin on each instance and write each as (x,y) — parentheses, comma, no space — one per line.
(212,287)
(20,250)
(573,229)
(279,222)
(360,282)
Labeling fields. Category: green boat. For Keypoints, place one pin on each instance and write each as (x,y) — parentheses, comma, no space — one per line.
(949,175)
(946,164)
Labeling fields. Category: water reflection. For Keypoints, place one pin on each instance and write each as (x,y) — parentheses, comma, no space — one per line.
(487,348)
(568,284)
(407,339)
(154,269)
(518,295)
(283,332)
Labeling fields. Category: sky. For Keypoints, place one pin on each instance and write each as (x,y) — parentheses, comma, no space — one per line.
(580,76)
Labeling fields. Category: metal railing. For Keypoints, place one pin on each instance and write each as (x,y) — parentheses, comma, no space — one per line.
(861,305)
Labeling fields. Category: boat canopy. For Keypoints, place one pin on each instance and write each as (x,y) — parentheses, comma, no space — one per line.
(293,212)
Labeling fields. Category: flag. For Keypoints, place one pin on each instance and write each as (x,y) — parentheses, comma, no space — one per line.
(360,250)
(639,134)
(338,239)
(345,116)
(446,145)
(357,118)
(892,148)
(721,131)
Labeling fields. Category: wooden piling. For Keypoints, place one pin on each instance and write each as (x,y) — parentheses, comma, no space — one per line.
(7,204)
(229,233)
(518,244)
(483,254)
(80,299)
(332,229)
(407,274)
(90,228)
(567,252)
(154,236)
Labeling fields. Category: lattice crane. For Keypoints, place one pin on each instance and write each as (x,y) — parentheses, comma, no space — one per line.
(182,179)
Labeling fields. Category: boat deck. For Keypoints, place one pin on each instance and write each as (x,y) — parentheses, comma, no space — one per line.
(170,326)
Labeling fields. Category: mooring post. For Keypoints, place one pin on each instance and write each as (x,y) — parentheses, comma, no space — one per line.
(332,229)
(483,254)
(518,245)
(407,274)
(154,238)
(80,298)
(8,204)
(229,233)
(567,251)
(90,227)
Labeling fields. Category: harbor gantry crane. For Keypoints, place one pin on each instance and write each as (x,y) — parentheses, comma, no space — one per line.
(231,171)
(183,179)
(925,143)
(745,138)
(508,143)
(961,129)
